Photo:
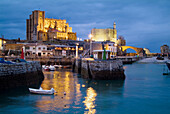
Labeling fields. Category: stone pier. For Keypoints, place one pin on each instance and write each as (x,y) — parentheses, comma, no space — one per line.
(18,75)
(99,69)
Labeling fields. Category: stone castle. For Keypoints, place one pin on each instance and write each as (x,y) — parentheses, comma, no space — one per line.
(109,34)
(40,28)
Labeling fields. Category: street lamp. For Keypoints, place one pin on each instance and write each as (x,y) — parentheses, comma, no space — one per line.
(90,36)
(77,50)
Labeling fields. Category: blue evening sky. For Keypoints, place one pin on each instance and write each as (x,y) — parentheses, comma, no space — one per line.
(143,23)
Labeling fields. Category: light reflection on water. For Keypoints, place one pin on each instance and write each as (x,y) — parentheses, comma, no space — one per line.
(90,101)
(61,82)
(80,93)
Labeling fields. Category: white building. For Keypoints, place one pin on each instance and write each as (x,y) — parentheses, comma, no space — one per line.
(98,54)
(38,50)
(113,48)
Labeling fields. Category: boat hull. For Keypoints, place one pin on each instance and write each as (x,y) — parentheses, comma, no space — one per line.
(37,91)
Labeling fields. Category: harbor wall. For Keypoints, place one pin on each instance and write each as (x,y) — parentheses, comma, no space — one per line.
(100,69)
(46,60)
(26,74)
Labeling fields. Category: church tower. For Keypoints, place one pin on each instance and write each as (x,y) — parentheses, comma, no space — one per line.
(114,31)
(35,24)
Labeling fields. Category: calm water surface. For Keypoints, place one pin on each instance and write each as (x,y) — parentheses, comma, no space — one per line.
(144,91)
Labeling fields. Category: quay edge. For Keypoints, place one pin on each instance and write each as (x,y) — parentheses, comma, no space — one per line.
(99,69)
(20,75)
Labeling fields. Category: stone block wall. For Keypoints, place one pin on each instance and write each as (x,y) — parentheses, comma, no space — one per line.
(27,74)
(102,69)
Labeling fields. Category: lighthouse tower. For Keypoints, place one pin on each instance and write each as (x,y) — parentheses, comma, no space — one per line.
(114,39)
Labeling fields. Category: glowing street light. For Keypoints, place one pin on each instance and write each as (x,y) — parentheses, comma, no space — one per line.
(77,50)
(90,36)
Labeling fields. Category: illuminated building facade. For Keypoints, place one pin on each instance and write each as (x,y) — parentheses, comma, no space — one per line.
(2,42)
(46,29)
(108,34)
(108,37)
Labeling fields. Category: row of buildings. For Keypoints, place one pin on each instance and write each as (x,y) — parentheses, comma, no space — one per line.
(44,34)
(41,49)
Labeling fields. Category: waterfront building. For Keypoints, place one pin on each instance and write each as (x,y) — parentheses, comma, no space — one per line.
(98,54)
(43,50)
(113,48)
(35,49)
(46,29)
(109,34)
(165,49)
(15,47)
(67,50)
(2,42)
(97,48)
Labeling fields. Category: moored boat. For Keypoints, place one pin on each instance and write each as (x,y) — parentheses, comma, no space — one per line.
(51,68)
(41,91)
(47,68)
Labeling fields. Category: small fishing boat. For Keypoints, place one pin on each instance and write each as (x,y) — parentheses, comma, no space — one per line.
(41,91)
(47,68)
(43,66)
(51,68)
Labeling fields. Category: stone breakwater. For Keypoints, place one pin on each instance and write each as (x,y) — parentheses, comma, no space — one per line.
(18,75)
(99,69)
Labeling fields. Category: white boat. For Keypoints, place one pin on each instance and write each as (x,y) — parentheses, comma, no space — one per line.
(41,91)
(46,68)
(43,66)
(52,68)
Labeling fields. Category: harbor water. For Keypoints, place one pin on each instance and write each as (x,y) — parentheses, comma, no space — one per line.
(144,91)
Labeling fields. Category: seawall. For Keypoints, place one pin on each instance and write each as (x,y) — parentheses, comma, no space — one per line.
(18,75)
(46,60)
(100,69)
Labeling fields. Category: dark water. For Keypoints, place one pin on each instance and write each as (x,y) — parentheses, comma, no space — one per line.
(144,91)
